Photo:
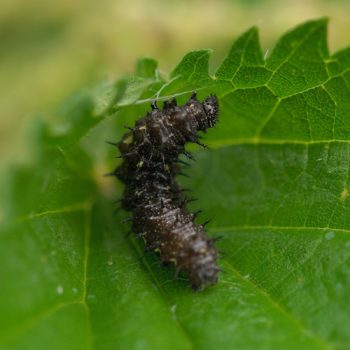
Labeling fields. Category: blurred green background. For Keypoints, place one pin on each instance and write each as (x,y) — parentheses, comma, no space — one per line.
(51,48)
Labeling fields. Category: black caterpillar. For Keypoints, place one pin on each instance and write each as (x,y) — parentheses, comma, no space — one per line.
(150,153)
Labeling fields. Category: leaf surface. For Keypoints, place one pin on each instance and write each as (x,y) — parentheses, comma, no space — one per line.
(276,187)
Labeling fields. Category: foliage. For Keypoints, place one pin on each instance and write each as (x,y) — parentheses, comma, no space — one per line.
(275,183)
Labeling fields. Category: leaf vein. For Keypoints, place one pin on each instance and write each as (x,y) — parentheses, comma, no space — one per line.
(299,325)
(277,228)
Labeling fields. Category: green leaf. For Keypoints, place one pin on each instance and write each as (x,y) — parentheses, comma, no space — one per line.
(276,187)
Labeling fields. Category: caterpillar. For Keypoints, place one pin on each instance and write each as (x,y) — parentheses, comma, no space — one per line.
(150,152)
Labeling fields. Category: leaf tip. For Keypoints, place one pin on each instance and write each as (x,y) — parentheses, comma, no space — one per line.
(194,61)
(146,67)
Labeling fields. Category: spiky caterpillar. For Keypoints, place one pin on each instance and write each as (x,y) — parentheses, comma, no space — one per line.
(150,153)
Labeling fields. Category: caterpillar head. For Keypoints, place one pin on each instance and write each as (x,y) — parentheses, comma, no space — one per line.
(211,108)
